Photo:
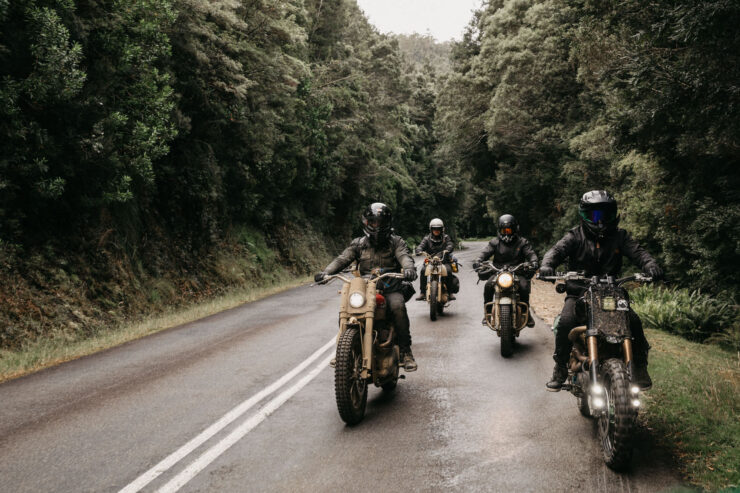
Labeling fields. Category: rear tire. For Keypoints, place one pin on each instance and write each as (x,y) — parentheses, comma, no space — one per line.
(349,388)
(507,330)
(433,287)
(617,423)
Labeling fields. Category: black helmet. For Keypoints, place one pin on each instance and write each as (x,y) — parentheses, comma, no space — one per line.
(598,211)
(436,225)
(508,228)
(377,221)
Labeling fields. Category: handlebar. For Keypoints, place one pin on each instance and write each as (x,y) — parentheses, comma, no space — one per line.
(578,276)
(488,265)
(329,278)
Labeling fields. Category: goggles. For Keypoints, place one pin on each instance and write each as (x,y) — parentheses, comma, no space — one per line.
(508,230)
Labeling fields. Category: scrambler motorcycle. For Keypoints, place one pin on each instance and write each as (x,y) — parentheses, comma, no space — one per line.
(505,315)
(601,365)
(367,344)
(436,272)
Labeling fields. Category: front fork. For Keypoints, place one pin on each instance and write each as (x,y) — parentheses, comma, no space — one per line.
(367,348)
(593,353)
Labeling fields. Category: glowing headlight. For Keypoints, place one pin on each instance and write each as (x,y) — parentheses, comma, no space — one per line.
(356,300)
(635,389)
(598,402)
(636,402)
(505,280)
(597,389)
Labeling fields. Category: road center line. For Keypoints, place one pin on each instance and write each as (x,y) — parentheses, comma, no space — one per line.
(219,425)
(214,452)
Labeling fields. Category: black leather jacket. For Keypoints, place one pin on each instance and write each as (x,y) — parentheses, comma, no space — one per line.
(392,257)
(434,247)
(513,253)
(596,257)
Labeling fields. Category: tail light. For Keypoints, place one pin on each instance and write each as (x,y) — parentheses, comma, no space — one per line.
(379,300)
(426,260)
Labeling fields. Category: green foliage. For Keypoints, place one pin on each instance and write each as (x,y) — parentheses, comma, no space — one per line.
(690,314)
(550,98)
(693,407)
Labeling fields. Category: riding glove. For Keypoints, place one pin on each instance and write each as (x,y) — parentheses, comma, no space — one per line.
(319,277)
(654,271)
(409,274)
(546,271)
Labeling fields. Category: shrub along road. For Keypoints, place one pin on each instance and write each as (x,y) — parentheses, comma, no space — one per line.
(213,406)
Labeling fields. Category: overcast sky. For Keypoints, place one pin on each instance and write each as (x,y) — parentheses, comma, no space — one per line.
(444,19)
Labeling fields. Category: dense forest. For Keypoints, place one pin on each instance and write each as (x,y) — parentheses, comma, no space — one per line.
(157,151)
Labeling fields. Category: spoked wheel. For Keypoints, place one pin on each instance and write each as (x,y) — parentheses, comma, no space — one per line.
(433,287)
(507,330)
(617,423)
(349,388)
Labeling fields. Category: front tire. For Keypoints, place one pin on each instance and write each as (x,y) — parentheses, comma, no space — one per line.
(506,328)
(433,289)
(617,423)
(349,388)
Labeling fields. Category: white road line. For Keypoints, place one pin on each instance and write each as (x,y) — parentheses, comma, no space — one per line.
(214,452)
(219,425)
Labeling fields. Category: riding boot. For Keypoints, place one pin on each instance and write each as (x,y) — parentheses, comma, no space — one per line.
(407,360)
(559,374)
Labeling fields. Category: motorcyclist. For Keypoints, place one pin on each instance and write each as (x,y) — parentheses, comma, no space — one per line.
(380,248)
(509,248)
(596,247)
(435,242)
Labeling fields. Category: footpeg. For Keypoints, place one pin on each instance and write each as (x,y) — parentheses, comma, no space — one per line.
(333,363)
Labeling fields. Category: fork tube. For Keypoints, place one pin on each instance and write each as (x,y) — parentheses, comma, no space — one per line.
(593,355)
(627,346)
(367,347)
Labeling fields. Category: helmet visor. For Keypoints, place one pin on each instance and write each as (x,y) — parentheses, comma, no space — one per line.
(506,230)
(436,231)
(599,215)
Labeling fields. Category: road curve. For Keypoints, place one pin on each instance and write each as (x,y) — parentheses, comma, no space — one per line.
(243,401)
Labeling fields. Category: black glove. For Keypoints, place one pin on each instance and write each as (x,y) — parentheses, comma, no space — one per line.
(476,264)
(409,274)
(654,271)
(319,277)
(546,271)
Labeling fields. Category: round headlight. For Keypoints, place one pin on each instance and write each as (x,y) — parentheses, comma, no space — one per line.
(356,300)
(505,280)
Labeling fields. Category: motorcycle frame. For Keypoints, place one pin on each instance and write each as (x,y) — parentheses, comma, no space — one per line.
(435,267)
(364,318)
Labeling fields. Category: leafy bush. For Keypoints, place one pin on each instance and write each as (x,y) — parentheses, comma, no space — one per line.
(690,314)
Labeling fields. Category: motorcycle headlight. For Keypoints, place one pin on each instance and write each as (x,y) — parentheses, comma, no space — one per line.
(505,280)
(356,300)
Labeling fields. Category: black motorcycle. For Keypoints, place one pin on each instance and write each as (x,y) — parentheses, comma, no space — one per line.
(506,314)
(601,365)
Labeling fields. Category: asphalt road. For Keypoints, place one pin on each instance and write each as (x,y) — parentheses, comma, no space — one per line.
(244,401)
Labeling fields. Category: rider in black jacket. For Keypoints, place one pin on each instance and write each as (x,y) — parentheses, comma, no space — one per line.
(380,248)
(508,248)
(435,242)
(596,247)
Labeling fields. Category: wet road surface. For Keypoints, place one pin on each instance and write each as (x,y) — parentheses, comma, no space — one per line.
(244,401)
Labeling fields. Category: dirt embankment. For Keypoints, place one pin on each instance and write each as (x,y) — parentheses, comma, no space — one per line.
(546,302)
